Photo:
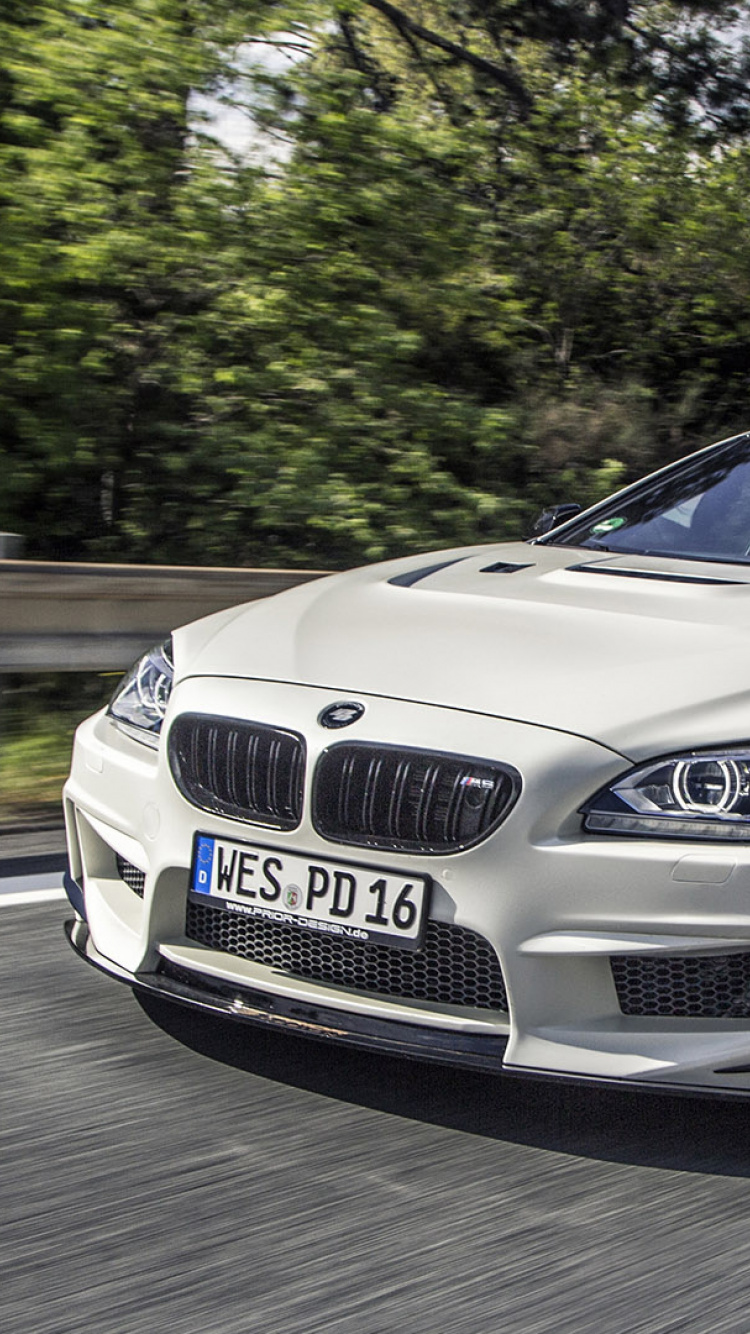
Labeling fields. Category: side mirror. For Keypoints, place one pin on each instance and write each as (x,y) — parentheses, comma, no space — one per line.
(553,517)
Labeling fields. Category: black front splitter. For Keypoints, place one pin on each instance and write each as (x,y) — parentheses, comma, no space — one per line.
(244,1005)
(229,1000)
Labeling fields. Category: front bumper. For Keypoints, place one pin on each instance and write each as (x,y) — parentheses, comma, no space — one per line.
(556,905)
(410,1041)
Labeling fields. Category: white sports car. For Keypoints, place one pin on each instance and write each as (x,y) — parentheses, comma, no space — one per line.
(488,806)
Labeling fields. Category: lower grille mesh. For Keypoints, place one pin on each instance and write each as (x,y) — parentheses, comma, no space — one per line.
(690,986)
(134,878)
(454,965)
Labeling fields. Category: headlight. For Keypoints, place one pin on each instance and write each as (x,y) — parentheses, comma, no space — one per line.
(698,795)
(140,701)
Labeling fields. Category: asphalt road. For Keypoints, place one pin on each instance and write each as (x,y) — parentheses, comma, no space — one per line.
(162,1173)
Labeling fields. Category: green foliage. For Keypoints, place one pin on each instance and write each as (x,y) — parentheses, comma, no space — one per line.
(38,717)
(500,260)
(107,249)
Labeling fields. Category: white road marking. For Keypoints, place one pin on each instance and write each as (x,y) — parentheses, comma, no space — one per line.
(31,889)
(31,896)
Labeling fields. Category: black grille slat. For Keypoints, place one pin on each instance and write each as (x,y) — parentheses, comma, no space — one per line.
(233,769)
(248,771)
(687,986)
(417,801)
(424,803)
(253,743)
(272,772)
(454,808)
(373,770)
(397,800)
(344,790)
(211,777)
(454,966)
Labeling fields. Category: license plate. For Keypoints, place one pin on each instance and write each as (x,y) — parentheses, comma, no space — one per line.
(353,902)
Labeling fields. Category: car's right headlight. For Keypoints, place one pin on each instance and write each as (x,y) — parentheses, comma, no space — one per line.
(700,794)
(140,702)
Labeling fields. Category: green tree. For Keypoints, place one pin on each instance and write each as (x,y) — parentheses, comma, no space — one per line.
(111,240)
(463,294)
(500,259)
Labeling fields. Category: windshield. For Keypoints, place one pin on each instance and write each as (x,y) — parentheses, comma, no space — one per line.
(699,509)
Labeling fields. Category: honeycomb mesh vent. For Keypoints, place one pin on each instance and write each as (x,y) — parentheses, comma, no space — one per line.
(134,878)
(454,966)
(419,801)
(245,770)
(690,986)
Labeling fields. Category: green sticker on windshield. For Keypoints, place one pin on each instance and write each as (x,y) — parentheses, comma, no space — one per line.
(607,526)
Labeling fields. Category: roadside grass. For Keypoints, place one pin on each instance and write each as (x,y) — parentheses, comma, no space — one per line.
(33,768)
(38,718)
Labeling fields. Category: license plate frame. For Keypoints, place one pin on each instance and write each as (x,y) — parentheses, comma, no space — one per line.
(310,892)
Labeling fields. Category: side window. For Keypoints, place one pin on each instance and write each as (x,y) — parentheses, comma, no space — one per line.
(683,513)
(698,509)
(721,521)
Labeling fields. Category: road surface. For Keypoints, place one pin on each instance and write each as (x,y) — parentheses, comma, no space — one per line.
(164,1175)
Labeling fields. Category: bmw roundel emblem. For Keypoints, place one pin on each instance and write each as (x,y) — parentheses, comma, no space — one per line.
(341,715)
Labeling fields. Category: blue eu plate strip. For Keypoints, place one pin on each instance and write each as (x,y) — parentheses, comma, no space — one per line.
(204,860)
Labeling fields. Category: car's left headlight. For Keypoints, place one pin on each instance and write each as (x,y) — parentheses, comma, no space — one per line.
(140,701)
(695,795)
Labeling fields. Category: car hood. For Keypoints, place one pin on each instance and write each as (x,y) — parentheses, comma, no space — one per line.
(643,654)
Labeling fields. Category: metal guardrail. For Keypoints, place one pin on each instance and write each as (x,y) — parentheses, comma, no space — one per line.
(74,617)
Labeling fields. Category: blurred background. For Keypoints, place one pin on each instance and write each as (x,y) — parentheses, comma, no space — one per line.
(39,713)
(308,284)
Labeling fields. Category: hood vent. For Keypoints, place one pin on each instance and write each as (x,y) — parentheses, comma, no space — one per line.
(662,576)
(416,576)
(504,567)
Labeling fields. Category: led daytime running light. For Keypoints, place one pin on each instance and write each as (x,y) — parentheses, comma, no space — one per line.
(697,796)
(728,783)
